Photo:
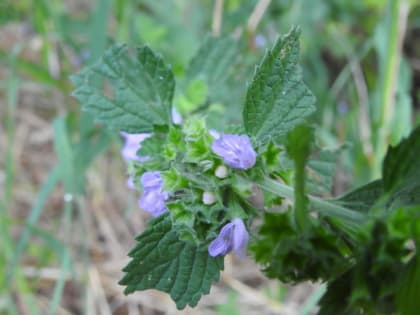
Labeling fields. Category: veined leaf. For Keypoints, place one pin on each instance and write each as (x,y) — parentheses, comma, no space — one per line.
(160,260)
(277,99)
(401,166)
(142,90)
(362,198)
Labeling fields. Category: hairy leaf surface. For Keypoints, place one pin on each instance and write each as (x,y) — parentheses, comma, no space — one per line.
(362,198)
(160,260)
(277,98)
(138,92)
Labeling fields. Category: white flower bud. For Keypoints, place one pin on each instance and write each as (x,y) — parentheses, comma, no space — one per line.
(208,198)
(221,171)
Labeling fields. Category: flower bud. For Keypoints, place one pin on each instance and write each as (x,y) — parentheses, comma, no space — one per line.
(236,151)
(221,171)
(208,198)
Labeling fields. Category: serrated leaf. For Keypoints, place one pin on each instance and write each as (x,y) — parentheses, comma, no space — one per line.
(142,90)
(362,198)
(277,99)
(160,260)
(402,164)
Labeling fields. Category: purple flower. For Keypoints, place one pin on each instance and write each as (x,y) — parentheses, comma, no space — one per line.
(176,117)
(130,183)
(236,151)
(153,198)
(132,144)
(151,181)
(133,140)
(153,201)
(232,237)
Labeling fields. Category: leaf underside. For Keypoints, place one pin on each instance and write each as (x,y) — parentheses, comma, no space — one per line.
(160,260)
(137,94)
(277,98)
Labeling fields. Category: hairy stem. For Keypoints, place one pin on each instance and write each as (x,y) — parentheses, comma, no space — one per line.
(301,213)
(324,207)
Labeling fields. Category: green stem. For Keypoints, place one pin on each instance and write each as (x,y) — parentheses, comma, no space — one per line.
(397,23)
(322,206)
(300,199)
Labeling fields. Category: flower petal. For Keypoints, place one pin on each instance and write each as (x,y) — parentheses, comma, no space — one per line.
(153,201)
(240,238)
(132,145)
(236,151)
(151,180)
(223,242)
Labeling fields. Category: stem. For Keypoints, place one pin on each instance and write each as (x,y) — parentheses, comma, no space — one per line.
(300,209)
(217,18)
(257,15)
(322,206)
(398,20)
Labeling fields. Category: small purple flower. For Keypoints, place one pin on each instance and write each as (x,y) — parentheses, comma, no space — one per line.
(232,237)
(153,198)
(260,41)
(151,181)
(176,117)
(132,144)
(236,151)
(153,201)
(130,183)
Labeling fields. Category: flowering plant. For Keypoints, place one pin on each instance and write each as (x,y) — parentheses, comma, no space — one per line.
(200,186)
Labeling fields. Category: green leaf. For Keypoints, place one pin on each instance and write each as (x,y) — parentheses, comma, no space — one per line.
(293,256)
(160,260)
(362,198)
(336,299)
(401,166)
(409,290)
(321,171)
(212,64)
(277,99)
(151,147)
(141,90)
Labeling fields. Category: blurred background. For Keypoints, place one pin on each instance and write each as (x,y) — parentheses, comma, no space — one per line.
(67,218)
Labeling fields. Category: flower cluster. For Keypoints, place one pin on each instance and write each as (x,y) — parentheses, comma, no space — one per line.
(153,198)
(236,151)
